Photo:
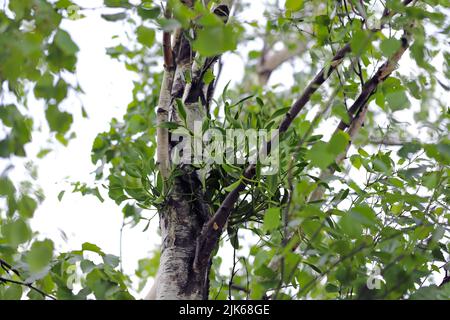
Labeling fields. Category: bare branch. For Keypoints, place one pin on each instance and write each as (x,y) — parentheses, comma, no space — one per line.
(272,60)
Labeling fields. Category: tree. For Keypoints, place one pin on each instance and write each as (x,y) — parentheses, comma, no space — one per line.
(317,196)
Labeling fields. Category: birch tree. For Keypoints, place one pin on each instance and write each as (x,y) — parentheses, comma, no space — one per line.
(349,103)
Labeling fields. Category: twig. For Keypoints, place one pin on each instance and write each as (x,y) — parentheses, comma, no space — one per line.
(212,230)
(29,285)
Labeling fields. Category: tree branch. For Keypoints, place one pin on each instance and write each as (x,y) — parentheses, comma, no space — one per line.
(7,267)
(212,230)
(271,61)
(358,110)
(162,134)
(4,280)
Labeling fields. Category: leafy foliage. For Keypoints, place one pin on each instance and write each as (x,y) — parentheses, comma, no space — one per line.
(383,207)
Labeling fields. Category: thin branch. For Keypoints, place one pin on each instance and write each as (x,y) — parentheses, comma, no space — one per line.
(212,230)
(370,86)
(233,273)
(29,285)
(271,61)
(7,267)
(239,288)
(358,110)
(361,104)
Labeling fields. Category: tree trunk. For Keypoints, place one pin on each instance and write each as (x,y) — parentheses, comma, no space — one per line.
(181,222)
(185,212)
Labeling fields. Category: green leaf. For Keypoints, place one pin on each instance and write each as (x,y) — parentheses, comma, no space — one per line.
(6,187)
(16,232)
(98,282)
(169,125)
(212,41)
(130,211)
(58,121)
(92,247)
(279,112)
(181,110)
(40,255)
(430,180)
(146,36)
(338,142)
(87,265)
(41,154)
(169,24)
(65,43)
(350,226)
(111,260)
(260,102)
(356,161)
(148,11)
(390,46)
(323,154)
(365,215)
(359,42)
(61,195)
(332,288)
(63,4)
(13,292)
(26,206)
(341,111)
(232,186)
(363,152)
(117,3)
(116,189)
(114,17)
(319,155)
(137,123)
(183,14)
(397,100)
(272,219)
(432,292)
(208,77)
(294,5)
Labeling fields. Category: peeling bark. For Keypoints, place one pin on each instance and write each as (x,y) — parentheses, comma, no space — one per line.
(185,212)
(162,134)
(181,222)
(188,231)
